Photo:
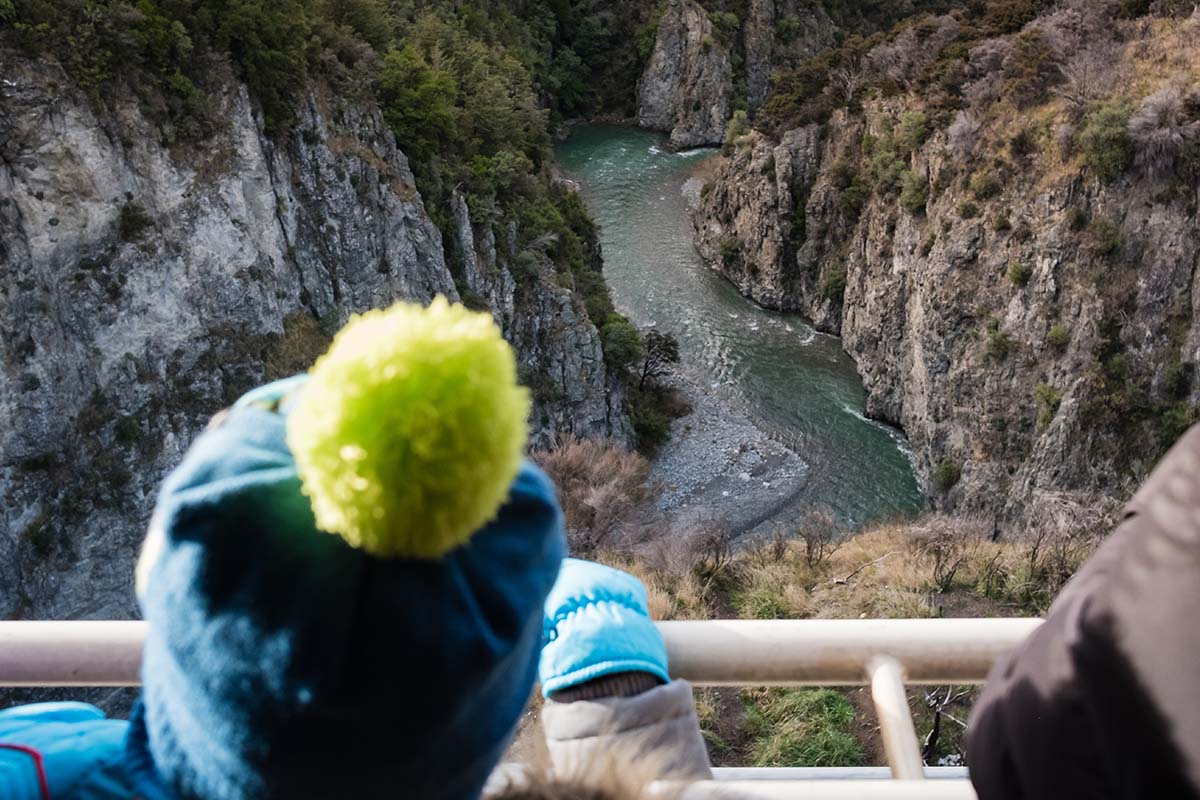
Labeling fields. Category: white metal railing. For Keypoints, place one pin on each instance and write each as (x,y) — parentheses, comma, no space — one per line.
(884,654)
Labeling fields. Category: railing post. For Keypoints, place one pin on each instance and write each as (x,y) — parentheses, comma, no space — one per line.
(886,677)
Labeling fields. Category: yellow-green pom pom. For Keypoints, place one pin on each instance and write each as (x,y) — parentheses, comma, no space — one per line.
(410,430)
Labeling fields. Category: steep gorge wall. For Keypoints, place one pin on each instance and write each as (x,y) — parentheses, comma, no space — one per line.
(1048,368)
(147,284)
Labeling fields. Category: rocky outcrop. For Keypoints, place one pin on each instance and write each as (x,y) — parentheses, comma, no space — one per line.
(558,348)
(1035,339)
(746,222)
(687,87)
(147,284)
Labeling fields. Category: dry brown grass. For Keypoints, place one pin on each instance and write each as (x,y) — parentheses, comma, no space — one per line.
(604,491)
(295,351)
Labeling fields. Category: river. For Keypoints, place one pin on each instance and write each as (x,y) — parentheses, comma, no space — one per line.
(747,366)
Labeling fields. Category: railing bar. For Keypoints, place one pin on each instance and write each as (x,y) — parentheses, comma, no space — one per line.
(707,653)
(895,719)
(819,790)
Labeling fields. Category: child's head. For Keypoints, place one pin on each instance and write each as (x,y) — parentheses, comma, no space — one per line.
(393,659)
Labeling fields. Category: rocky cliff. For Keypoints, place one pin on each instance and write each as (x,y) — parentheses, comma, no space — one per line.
(1025,310)
(146,283)
(700,71)
(687,88)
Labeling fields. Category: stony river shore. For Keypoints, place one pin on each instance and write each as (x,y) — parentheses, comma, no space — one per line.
(720,469)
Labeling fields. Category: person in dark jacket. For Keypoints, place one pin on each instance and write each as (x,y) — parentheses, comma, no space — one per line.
(1103,700)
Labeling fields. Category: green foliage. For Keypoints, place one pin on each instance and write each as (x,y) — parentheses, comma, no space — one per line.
(418,102)
(726,24)
(801,728)
(652,408)
(1019,272)
(1001,223)
(852,199)
(998,343)
(968,210)
(132,222)
(1077,219)
(833,285)
(911,131)
(914,191)
(945,476)
(1058,337)
(8,12)
(1103,138)
(738,125)
(730,248)
(1048,399)
(1103,237)
(985,185)
(1172,420)
(787,28)
(621,342)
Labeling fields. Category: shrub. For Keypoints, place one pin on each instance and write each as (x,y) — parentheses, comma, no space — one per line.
(604,491)
(843,173)
(833,285)
(852,199)
(998,345)
(651,411)
(1019,273)
(1058,337)
(738,126)
(1103,139)
(730,248)
(1103,237)
(911,131)
(1022,144)
(945,476)
(304,338)
(968,210)
(621,343)
(1172,421)
(914,191)
(1048,399)
(1077,219)
(1031,68)
(1165,132)
(132,222)
(1001,223)
(801,728)
(985,185)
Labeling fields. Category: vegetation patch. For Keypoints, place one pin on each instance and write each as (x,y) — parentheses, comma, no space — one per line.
(801,728)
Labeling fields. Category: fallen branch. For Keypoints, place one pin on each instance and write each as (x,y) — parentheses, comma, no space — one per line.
(845,580)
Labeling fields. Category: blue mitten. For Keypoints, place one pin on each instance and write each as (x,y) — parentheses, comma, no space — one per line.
(597,624)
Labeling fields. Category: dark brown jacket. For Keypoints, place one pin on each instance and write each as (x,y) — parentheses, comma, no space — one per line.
(1103,700)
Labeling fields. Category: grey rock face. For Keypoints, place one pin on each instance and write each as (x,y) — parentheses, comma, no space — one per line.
(146,286)
(687,87)
(950,346)
(746,223)
(557,346)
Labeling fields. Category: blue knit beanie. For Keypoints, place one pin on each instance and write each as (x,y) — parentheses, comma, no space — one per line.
(282,663)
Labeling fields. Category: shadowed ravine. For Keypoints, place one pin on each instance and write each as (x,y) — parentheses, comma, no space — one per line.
(797,388)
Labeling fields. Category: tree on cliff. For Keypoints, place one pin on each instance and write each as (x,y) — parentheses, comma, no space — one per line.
(659,351)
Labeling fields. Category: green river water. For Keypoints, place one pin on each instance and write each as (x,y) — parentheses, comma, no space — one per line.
(794,384)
